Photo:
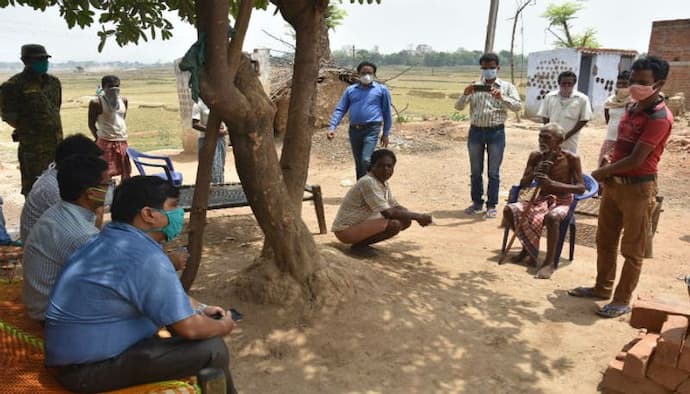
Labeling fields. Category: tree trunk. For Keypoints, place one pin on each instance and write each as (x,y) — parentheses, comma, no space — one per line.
(232,90)
(325,46)
(307,17)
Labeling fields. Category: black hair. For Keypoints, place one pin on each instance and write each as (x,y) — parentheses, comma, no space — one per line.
(567,74)
(658,66)
(77,173)
(138,192)
(380,154)
(110,80)
(624,75)
(489,57)
(77,144)
(366,63)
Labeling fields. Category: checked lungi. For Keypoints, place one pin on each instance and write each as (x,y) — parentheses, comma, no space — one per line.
(530,230)
(115,154)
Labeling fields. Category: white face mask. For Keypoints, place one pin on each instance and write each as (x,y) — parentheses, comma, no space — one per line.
(366,79)
(489,73)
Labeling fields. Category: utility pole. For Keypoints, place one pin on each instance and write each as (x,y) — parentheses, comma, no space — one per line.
(491,27)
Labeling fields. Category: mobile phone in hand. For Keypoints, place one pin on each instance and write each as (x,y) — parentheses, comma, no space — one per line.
(482,88)
(234,315)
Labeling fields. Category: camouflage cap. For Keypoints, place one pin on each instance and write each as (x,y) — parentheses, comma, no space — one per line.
(34,50)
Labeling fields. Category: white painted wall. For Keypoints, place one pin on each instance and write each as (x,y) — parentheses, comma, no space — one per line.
(603,81)
(542,74)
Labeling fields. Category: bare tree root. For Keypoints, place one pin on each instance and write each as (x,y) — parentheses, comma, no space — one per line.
(336,281)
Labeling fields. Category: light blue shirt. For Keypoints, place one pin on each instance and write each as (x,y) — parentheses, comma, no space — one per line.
(61,230)
(366,104)
(114,292)
(44,194)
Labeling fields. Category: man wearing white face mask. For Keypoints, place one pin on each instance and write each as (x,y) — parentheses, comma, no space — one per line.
(568,108)
(630,187)
(369,104)
(489,100)
(107,114)
(63,228)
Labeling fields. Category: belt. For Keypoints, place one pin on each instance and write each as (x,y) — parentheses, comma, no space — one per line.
(367,125)
(629,180)
(490,128)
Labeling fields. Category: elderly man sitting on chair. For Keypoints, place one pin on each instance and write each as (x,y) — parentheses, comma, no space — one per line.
(369,213)
(558,174)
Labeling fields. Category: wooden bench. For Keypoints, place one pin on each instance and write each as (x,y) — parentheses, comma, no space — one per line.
(231,195)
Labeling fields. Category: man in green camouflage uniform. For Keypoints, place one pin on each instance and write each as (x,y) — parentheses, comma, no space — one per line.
(30,102)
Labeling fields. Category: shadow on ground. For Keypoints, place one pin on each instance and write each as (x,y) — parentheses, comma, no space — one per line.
(410,327)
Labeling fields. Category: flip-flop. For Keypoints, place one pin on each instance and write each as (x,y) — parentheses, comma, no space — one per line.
(585,292)
(610,311)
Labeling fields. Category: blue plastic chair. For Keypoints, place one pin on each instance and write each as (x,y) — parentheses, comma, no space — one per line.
(164,163)
(591,189)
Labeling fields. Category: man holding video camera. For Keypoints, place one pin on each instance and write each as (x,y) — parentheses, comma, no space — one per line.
(489,100)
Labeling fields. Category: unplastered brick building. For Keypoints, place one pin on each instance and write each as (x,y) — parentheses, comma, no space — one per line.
(671,40)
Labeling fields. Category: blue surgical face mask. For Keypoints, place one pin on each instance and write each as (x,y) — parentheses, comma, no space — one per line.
(489,73)
(39,66)
(175,223)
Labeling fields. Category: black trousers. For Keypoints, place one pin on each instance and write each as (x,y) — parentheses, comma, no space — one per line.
(151,360)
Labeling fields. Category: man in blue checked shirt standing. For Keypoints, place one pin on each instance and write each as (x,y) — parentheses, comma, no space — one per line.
(369,103)
(489,101)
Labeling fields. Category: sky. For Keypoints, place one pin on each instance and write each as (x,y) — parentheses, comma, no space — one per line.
(391,26)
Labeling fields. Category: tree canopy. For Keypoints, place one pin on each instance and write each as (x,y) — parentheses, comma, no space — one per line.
(560,17)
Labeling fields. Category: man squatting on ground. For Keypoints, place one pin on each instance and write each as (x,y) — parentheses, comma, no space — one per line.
(488,113)
(369,103)
(369,213)
(630,187)
(558,174)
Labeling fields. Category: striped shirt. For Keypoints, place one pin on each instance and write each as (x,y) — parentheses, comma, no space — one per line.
(486,110)
(44,194)
(61,230)
(367,198)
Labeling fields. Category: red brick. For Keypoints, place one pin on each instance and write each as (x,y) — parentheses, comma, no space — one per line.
(684,387)
(616,381)
(651,314)
(668,377)
(671,340)
(638,357)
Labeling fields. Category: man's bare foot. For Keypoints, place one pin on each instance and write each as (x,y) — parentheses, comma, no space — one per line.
(545,272)
(519,257)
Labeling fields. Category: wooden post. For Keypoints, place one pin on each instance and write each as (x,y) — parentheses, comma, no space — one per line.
(491,27)
(318,205)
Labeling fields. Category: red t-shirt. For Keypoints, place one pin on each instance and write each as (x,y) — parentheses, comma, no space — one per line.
(651,127)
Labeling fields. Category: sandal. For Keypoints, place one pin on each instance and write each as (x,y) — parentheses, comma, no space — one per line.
(490,213)
(611,311)
(586,292)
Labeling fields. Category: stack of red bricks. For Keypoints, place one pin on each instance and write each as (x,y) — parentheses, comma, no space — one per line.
(658,360)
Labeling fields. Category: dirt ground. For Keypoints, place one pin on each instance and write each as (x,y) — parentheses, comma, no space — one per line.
(432,312)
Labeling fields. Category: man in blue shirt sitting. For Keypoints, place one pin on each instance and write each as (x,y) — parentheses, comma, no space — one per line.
(369,103)
(117,290)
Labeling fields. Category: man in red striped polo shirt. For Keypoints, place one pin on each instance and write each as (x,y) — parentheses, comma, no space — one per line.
(630,187)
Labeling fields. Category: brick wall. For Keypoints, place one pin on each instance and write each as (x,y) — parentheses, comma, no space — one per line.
(670,40)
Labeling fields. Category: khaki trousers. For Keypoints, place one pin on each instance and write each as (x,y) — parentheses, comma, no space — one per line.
(628,208)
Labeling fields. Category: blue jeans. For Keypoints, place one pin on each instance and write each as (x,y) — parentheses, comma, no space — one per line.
(494,143)
(4,237)
(218,166)
(363,142)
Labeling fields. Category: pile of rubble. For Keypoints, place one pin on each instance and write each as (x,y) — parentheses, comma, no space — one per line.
(658,360)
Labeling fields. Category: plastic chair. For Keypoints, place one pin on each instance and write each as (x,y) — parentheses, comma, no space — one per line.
(164,163)
(568,223)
